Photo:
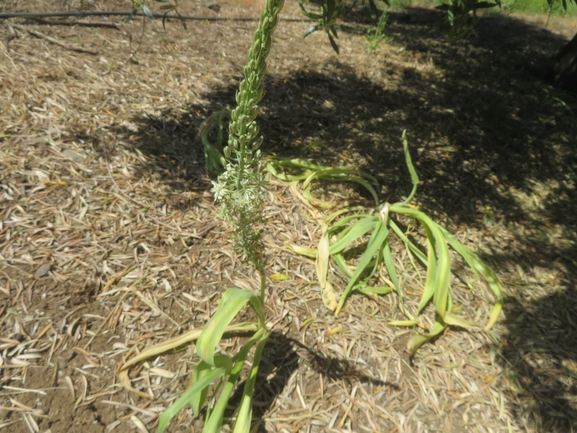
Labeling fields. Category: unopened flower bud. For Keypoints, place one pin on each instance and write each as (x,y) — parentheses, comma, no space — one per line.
(256,144)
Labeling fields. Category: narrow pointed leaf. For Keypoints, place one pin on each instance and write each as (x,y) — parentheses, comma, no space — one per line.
(185,398)
(485,271)
(408,323)
(418,340)
(454,320)
(390,265)
(214,422)
(303,251)
(373,246)
(333,43)
(198,399)
(310,30)
(353,233)
(369,290)
(412,247)
(232,302)
(244,418)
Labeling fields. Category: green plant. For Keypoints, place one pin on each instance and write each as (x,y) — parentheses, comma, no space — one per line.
(341,237)
(331,11)
(458,15)
(376,34)
(239,190)
(213,151)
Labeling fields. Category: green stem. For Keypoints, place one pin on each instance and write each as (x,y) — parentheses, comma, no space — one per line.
(262,274)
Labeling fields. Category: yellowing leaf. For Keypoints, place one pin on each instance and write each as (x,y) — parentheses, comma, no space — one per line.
(280,277)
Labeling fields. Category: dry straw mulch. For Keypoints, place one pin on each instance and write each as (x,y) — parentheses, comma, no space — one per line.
(110,240)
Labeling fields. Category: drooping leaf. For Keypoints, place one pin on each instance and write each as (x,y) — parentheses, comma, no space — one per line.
(303,251)
(454,320)
(333,43)
(231,303)
(418,340)
(373,247)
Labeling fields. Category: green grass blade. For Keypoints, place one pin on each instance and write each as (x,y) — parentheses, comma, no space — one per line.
(373,247)
(232,302)
(454,320)
(344,221)
(303,251)
(185,398)
(342,265)
(481,268)
(418,340)
(244,418)
(412,247)
(197,400)
(214,422)
(431,274)
(356,231)
(390,265)
(368,187)
(181,340)
(339,212)
(411,167)
(439,261)
(370,290)
(315,201)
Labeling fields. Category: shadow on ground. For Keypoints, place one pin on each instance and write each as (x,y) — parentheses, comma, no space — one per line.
(493,142)
(280,360)
(540,354)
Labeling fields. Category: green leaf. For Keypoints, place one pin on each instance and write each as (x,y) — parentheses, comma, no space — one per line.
(342,265)
(147,12)
(187,397)
(333,43)
(231,303)
(439,263)
(244,418)
(412,247)
(411,167)
(303,251)
(356,231)
(369,290)
(197,400)
(407,323)
(373,247)
(310,30)
(454,320)
(431,274)
(390,265)
(214,422)
(167,7)
(485,271)
(213,160)
(418,340)
(309,14)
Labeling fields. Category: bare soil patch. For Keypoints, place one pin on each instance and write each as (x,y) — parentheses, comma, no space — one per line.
(110,240)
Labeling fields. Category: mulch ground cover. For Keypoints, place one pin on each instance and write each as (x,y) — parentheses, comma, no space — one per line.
(110,240)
